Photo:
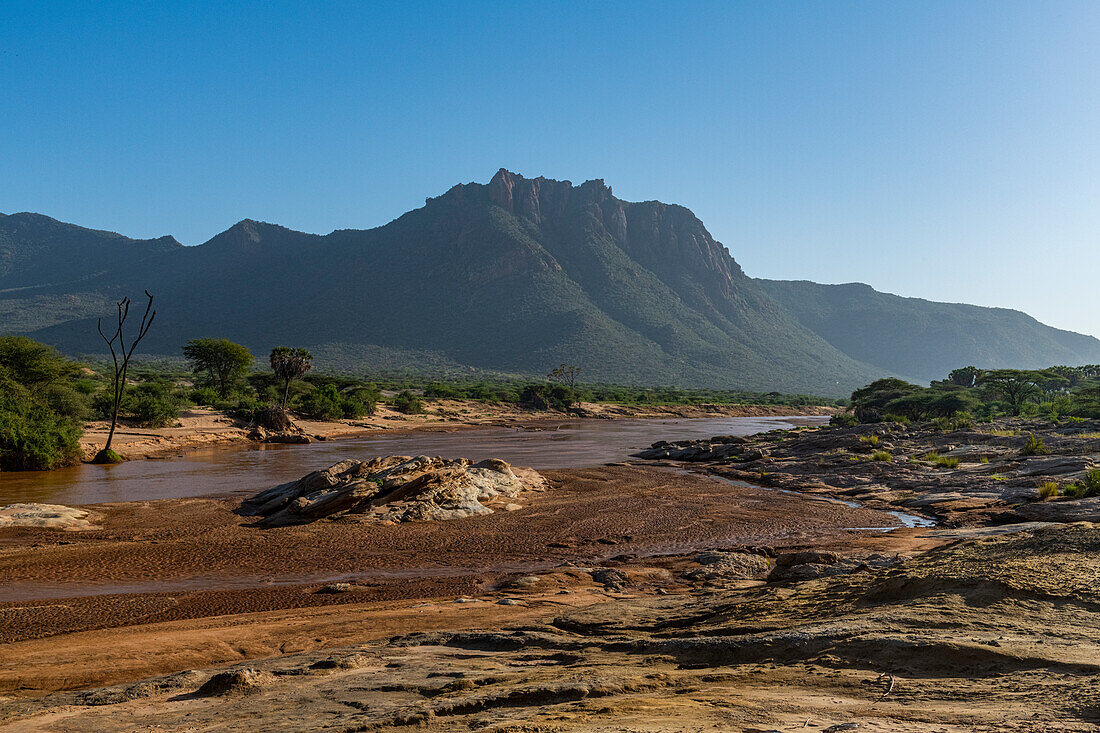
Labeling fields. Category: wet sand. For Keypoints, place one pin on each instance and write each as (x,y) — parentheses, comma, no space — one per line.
(184,561)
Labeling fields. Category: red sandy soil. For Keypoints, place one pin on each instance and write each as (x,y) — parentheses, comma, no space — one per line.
(174,584)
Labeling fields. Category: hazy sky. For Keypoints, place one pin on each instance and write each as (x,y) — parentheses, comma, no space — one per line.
(944,150)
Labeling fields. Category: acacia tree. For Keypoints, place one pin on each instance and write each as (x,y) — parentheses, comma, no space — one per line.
(965,377)
(290,364)
(1014,386)
(565,375)
(223,361)
(121,359)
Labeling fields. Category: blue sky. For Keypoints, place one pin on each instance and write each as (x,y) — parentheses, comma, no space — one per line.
(947,150)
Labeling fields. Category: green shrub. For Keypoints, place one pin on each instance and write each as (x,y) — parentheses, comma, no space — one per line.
(1091,482)
(360,401)
(328,402)
(871,440)
(245,409)
(32,436)
(408,403)
(206,396)
(958,421)
(323,403)
(64,399)
(1048,490)
(354,406)
(1074,491)
(152,405)
(1034,447)
(881,455)
(844,420)
(36,435)
(547,397)
(939,460)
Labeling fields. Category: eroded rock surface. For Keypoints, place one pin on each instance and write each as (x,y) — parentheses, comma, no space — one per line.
(996,634)
(50,516)
(720,565)
(968,477)
(396,489)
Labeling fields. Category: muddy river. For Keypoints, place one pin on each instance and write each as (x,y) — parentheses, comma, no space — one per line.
(245,470)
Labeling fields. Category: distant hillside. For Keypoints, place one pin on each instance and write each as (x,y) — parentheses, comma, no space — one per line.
(925,339)
(514,276)
(38,250)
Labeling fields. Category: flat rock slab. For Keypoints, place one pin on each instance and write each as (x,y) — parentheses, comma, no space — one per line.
(49,516)
(978,452)
(1080,510)
(1055,466)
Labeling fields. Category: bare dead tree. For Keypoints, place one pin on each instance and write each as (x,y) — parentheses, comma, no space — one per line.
(121,358)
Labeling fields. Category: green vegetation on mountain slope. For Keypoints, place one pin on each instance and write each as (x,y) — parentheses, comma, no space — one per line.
(924,339)
(509,278)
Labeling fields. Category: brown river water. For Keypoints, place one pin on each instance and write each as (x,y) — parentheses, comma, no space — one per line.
(245,470)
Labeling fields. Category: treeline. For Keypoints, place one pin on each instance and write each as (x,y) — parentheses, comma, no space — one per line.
(969,393)
(45,398)
(512,391)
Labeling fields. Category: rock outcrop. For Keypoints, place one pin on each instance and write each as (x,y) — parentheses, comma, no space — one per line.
(49,516)
(718,565)
(989,634)
(395,489)
(962,478)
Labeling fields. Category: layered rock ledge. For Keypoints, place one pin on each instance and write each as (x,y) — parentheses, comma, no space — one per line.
(981,475)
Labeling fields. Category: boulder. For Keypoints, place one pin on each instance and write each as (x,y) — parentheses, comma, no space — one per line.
(814,557)
(805,571)
(719,448)
(718,565)
(609,578)
(396,489)
(293,438)
(236,681)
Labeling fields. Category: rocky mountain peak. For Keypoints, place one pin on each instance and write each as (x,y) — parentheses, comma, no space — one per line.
(247,234)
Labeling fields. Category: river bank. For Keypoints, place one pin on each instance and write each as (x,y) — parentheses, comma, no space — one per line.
(652,596)
(1009,471)
(199,428)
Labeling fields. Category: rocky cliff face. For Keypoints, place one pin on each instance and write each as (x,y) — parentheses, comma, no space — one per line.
(660,236)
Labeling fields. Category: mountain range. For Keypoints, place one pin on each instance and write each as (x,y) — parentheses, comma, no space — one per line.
(514,276)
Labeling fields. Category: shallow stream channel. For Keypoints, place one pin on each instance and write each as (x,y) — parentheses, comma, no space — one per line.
(243,470)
